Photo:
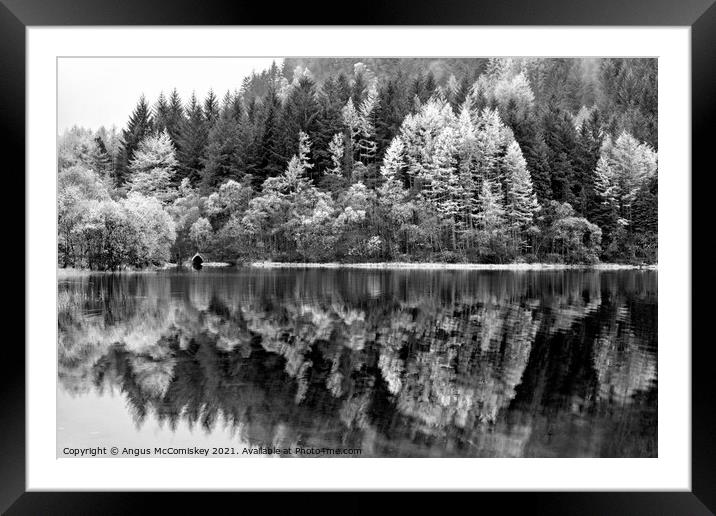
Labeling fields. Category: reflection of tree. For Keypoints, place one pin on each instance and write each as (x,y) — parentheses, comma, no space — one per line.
(400,363)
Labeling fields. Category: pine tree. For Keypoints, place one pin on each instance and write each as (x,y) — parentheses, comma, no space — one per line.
(139,126)
(560,138)
(589,142)
(498,67)
(633,163)
(490,144)
(645,213)
(446,189)
(622,169)
(491,220)
(300,113)
(520,200)
(235,106)
(359,83)
(101,160)
(464,90)
(333,178)
(366,144)
(328,122)
(222,158)
(175,117)
(606,212)
(161,113)
(343,87)
(391,109)
(304,151)
(467,167)
(452,91)
(192,143)
(270,160)
(294,180)
(153,166)
(211,110)
(429,86)
(535,151)
(393,162)
(491,216)
(337,151)
(352,123)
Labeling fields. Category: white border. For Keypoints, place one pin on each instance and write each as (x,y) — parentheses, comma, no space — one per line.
(671,470)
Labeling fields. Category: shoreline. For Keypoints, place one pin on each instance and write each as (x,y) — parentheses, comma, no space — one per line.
(448,266)
(67,272)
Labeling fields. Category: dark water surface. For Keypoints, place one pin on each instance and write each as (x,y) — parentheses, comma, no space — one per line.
(394,363)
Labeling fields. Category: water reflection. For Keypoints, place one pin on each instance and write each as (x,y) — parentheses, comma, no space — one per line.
(398,363)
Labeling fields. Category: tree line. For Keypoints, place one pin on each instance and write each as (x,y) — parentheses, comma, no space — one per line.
(479,160)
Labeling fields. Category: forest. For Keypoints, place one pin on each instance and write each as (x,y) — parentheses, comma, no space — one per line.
(500,160)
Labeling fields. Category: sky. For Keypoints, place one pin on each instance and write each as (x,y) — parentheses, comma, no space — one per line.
(94,92)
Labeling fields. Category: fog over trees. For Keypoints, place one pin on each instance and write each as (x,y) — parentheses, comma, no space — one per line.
(447,160)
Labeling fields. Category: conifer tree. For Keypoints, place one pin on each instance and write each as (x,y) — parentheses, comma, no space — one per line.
(304,151)
(192,143)
(392,106)
(464,90)
(520,200)
(169,116)
(328,122)
(337,151)
(429,86)
(622,169)
(352,123)
(139,126)
(467,167)
(300,112)
(161,113)
(491,142)
(102,161)
(175,117)
(452,91)
(589,142)
(153,166)
(560,138)
(270,159)
(393,162)
(491,221)
(235,106)
(343,87)
(211,110)
(294,180)
(222,158)
(359,83)
(447,190)
(645,217)
(366,144)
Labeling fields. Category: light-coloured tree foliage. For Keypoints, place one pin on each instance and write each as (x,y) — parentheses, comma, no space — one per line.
(623,167)
(200,233)
(153,167)
(336,148)
(520,200)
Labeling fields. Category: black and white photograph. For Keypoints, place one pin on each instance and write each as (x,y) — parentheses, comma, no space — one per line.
(364,257)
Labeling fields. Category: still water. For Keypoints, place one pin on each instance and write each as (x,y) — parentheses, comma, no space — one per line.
(390,363)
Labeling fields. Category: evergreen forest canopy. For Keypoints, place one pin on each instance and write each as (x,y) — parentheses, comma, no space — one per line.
(449,160)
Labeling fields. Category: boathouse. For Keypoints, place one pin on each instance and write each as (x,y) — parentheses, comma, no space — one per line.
(197,260)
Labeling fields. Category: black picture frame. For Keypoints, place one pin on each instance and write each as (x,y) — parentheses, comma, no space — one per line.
(700,15)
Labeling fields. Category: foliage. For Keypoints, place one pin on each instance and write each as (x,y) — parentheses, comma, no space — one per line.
(153,167)
(504,159)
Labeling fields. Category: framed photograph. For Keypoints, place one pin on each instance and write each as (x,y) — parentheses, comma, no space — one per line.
(438,250)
